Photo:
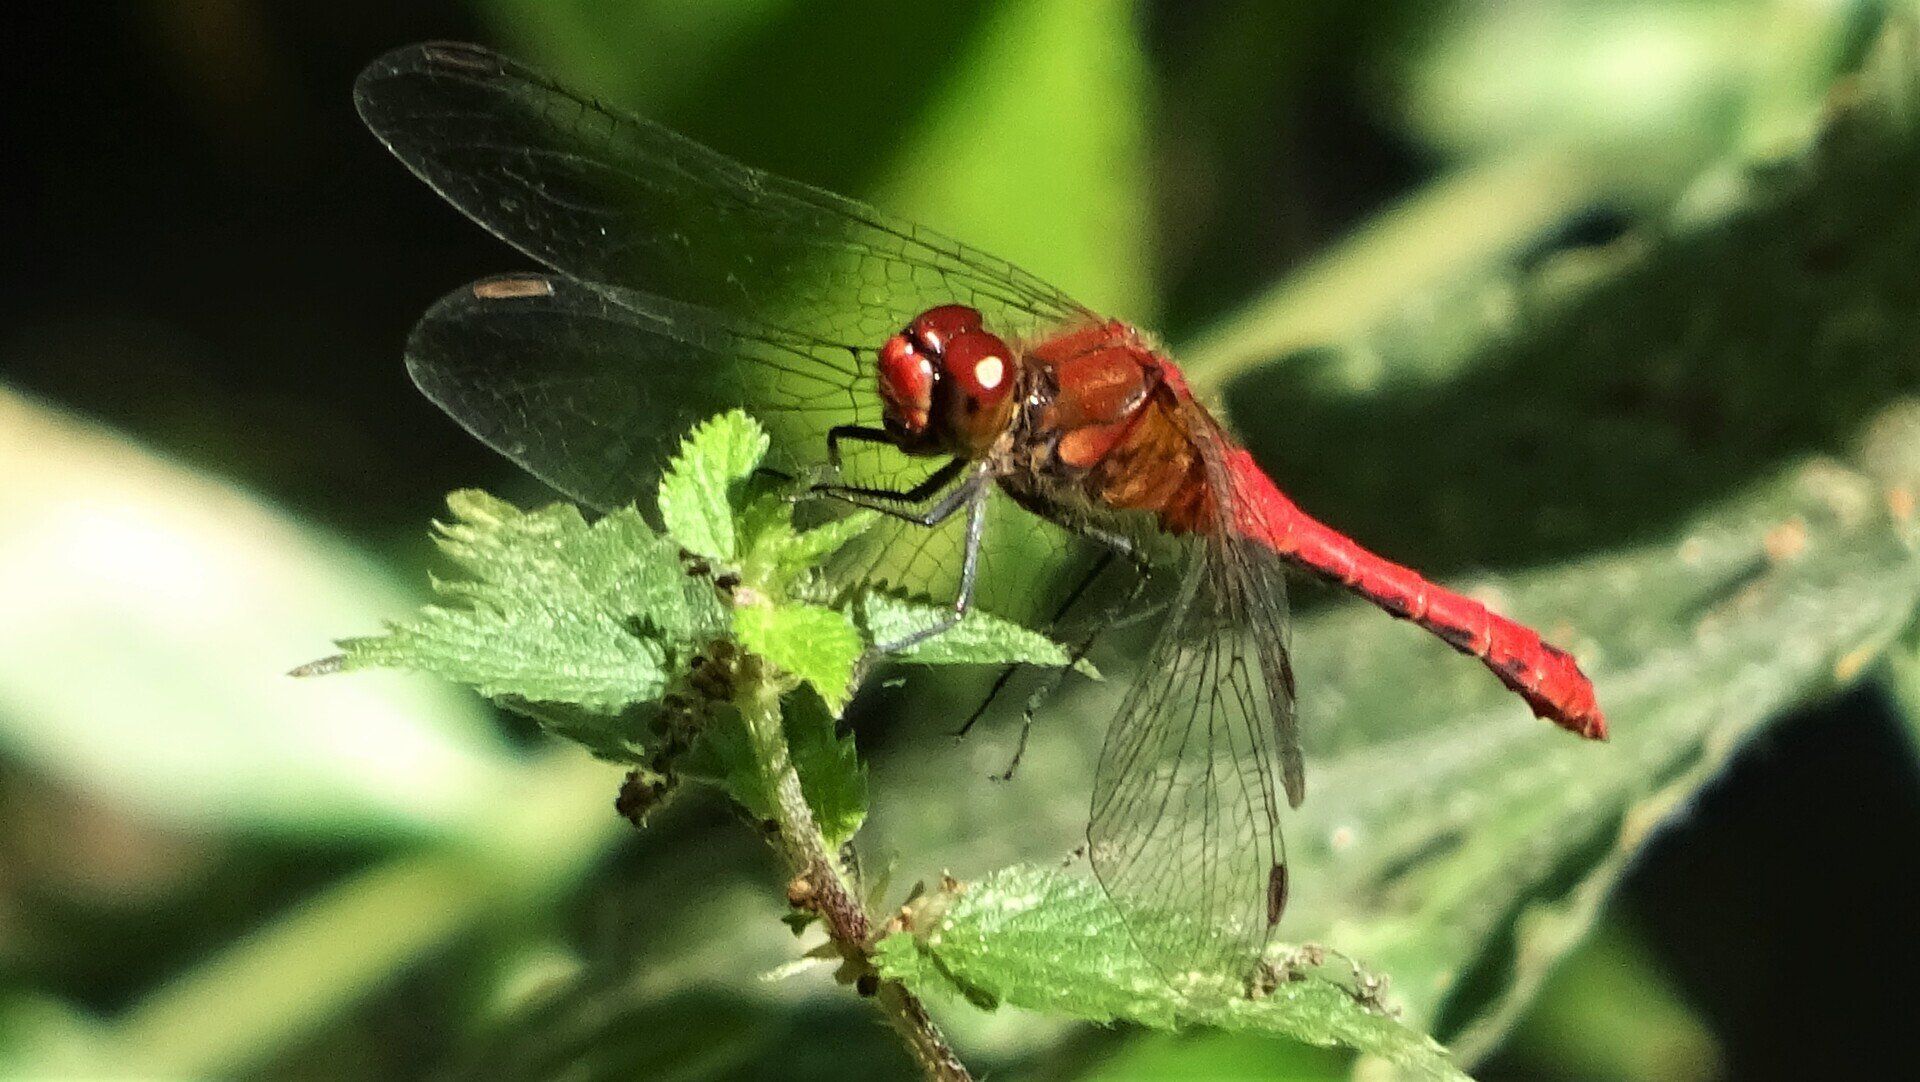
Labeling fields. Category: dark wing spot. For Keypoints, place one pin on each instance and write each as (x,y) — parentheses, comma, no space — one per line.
(1276,893)
(512,288)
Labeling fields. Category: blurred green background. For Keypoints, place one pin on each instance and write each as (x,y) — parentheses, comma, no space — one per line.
(1492,286)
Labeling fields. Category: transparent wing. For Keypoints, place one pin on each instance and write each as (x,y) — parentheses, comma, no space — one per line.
(589,387)
(604,196)
(699,284)
(1185,829)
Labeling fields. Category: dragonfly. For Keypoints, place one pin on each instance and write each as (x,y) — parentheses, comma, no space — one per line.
(983,410)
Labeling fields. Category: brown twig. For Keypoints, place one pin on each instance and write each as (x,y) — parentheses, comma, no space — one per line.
(820,885)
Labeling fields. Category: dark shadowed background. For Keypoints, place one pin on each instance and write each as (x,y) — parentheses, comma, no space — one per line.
(206,869)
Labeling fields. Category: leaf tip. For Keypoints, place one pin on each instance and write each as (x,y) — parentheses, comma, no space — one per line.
(326,666)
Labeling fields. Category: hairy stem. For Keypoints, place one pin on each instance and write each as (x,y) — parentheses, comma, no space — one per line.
(828,893)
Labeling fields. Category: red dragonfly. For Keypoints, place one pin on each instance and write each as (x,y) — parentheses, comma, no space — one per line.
(686,282)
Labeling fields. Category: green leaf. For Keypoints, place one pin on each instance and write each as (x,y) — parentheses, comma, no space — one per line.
(979,639)
(778,560)
(798,552)
(831,774)
(554,610)
(818,645)
(1652,399)
(700,495)
(1046,941)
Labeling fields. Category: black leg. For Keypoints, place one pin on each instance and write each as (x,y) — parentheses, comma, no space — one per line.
(1052,681)
(973,493)
(890,502)
(1117,545)
(1006,674)
(861,433)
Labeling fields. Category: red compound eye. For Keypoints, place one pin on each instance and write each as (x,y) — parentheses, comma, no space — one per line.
(935,327)
(946,383)
(906,384)
(980,366)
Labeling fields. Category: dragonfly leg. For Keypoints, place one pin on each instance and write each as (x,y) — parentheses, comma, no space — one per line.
(895,502)
(973,495)
(860,433)
(1006,674)
(1117,544)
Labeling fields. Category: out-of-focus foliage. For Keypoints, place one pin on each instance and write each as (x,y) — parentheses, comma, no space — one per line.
(1668,85)
(1610,1012)
(151,615)
(1635,325)
(164,692)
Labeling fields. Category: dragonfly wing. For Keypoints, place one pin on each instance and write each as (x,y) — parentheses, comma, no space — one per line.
(680,257)
(588,387)
(604,196)
(1260,578)
(1185,829)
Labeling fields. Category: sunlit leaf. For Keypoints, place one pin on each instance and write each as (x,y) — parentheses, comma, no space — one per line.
(553,609)
(1044,940)
(979,639)
(797,552)
(698,497)
(831,773)
(811,642)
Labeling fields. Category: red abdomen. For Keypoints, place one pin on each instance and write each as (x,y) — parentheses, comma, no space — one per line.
(1131,433)
(1544,675)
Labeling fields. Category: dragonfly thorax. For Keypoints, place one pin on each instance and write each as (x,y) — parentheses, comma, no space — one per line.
(946,383)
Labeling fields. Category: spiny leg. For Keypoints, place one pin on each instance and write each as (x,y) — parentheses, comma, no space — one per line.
(860,433)
(973,493)
(1117,544)
(1006,673)
(894,502)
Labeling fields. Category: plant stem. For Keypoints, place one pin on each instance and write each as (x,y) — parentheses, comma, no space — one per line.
(813,862)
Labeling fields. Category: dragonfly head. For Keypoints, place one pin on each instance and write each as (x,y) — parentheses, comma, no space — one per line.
(946,383)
